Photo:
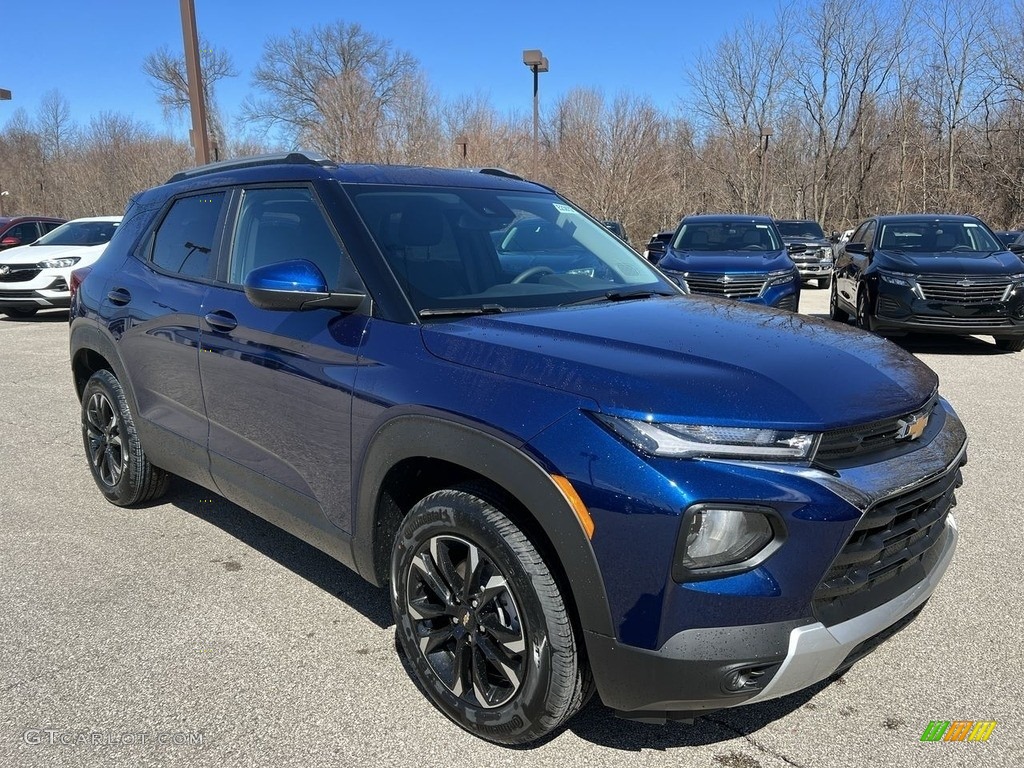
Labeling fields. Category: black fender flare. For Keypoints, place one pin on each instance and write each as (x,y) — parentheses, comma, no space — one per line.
(414,435)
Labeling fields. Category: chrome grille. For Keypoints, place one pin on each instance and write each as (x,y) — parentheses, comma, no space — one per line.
(964,289)
(962,322)
(729,286)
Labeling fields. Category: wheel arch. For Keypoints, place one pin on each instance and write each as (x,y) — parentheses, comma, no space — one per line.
(412,455)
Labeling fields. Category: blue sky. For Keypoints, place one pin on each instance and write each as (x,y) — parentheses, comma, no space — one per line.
(92,52)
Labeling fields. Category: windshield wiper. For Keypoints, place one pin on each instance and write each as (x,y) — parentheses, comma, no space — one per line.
(483,309)
(616,296)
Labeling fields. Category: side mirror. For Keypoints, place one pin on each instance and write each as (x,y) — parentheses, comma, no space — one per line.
(855,248)
(294,286)
(10,242)
(834,237)
(1017,248)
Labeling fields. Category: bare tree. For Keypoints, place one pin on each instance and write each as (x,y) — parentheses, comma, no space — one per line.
(166,69)
(337,89)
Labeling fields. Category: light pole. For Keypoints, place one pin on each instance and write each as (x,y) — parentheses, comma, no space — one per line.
(3,194)
(766,134)
(200,137)
(463,144)
(537,62)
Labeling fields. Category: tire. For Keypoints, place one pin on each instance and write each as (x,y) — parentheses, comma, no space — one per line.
(825,282)
(520,674)
(1011,345)
(118,464)
(834,311)
(18,312)
(864,312)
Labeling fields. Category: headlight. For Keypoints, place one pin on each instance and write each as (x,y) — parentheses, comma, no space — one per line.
(714,536)
(781,277)
(680,278)
(902,279)
(68,261)
(696,441)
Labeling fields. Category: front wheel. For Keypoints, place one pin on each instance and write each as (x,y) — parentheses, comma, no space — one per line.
(119,465)
(481,619)
(825,282)
(1011,345)
(864,311)
(834,310)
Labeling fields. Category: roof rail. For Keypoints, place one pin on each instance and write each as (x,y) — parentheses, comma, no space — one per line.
(499,172)
(298,158)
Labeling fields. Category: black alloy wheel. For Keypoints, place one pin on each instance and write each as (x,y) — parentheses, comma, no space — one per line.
(481,619)
(118,464)
(834,312)
(863,311)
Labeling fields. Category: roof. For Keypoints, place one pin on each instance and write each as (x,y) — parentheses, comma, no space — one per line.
(295,165)
(903,217)
(95,218)
(731,217)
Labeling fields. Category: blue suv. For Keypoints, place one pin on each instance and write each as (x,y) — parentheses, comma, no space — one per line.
(448,381)
(735,257)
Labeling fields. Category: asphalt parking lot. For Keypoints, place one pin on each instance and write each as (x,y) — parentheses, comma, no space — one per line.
(193,633)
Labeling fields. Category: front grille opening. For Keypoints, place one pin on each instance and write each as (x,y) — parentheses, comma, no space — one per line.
(864,440)
(731,286)
(894,546)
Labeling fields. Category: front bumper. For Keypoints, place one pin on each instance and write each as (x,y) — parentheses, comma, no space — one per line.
(698,670)
(45,291)
(898,310)
(812,270)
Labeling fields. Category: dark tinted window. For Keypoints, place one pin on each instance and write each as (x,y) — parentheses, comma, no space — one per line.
(705,235)
(276,225)
(25,232)
(82,232)
(49,226)
(810,229)
(184,243)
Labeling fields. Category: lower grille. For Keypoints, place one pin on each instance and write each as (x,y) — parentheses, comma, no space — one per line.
(729,286)
(789,302)
(894,546)
(864,440)
(20,273)
(962,322)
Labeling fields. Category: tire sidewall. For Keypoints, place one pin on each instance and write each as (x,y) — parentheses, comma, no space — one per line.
(527,709)
(104,382)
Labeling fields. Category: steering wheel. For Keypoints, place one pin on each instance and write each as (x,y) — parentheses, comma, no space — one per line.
(961,248)
(528,273)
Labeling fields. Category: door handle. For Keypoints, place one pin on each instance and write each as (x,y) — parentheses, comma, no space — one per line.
(119,296)
(221,321)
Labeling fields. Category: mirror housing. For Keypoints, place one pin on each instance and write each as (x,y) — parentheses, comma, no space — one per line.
(1017,248)
(10,242)
(295,285)
(855,248)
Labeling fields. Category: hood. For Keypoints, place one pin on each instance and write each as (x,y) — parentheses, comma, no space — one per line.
(994,263)
(32,254)
(696,359)
(731,262)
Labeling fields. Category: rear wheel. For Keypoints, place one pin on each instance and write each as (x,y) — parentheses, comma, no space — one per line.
(481,619)
(834,311)
(119,465)
(1011,345)
(18,311)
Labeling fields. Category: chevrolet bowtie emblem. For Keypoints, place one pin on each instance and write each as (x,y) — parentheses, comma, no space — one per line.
(965,283)
(4,269)
(912,427)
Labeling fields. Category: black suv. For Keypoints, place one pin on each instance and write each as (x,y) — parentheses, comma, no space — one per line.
(930,274)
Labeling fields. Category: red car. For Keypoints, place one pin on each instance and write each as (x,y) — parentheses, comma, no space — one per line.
(22,230)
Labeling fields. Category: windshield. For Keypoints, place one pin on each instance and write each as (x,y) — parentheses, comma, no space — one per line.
(808,229)
(726,236)
(80,233)
(453,248)
(937,237)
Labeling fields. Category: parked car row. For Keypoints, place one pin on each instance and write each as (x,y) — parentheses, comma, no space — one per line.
(892,274)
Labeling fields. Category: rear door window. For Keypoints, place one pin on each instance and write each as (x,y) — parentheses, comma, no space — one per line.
(185,242)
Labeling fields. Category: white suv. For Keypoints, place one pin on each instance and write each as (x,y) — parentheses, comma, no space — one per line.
(36,276)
